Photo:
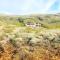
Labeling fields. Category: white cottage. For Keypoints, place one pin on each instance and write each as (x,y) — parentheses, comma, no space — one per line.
(31,24)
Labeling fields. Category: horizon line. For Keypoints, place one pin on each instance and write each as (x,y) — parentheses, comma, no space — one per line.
(7,13)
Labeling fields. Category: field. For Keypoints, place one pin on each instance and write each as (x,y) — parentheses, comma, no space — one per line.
(32,37)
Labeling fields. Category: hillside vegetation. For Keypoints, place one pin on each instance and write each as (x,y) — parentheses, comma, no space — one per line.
(33,37)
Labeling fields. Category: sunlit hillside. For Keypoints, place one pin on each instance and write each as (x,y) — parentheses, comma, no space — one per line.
(32,37)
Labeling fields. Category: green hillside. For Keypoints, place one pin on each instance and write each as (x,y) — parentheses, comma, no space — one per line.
(30,37)
(47,21)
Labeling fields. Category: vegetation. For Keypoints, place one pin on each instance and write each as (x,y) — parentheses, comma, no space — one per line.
(22,41)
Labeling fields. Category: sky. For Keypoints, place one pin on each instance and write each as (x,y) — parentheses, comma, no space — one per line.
(23,7)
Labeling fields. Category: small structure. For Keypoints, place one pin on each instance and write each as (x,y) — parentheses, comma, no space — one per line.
(31,24)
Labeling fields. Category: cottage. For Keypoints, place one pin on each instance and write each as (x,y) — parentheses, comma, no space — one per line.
(31,24)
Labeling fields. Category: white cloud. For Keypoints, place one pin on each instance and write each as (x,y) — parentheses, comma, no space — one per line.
(6,13)
(27,6)
(41,6)
(49,4)
(44,6)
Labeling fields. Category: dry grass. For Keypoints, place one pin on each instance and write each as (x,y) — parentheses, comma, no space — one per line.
(25,43)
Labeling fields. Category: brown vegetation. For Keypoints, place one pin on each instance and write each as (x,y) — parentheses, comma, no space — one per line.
(25,52)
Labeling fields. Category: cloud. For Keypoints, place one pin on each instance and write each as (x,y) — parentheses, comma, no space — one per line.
(6,13)
(55,8)
(49,5)
(27,6)
(35,6)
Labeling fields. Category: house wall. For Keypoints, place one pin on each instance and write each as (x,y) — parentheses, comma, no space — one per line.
(33,25)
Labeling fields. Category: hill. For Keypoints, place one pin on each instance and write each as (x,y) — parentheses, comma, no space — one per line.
(32,37)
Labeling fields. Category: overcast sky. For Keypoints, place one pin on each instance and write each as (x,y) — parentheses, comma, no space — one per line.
(29,6)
